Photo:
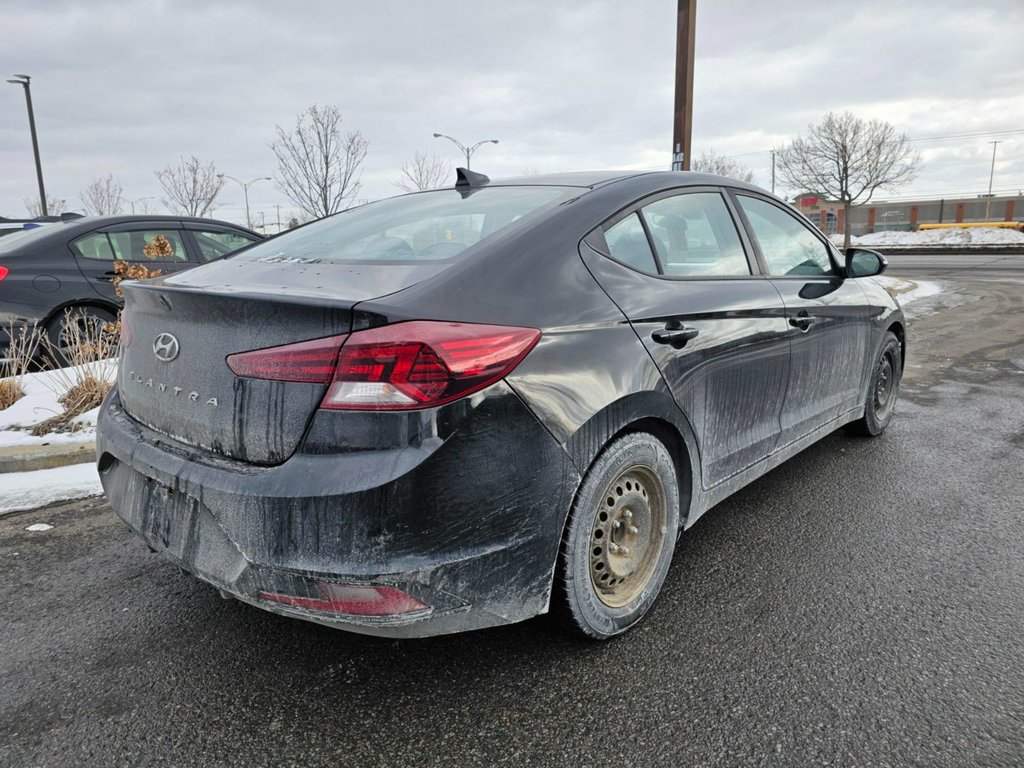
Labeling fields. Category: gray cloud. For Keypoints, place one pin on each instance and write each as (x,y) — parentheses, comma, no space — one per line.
(128,87)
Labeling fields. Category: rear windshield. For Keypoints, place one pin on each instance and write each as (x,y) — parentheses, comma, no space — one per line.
(429,226)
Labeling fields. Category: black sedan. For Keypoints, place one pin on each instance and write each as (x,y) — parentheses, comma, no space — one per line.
(465,407)
(65,268)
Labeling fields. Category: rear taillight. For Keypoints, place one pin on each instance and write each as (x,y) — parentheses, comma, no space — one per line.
(421,364)
(4,271)
(308,361)
(126,334)
(417,364)
(352,599)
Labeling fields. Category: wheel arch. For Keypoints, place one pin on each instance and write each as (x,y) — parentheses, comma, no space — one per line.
(92,303)
(900,332)
(652,412)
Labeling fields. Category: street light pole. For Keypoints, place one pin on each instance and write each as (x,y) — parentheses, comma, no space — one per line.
(23,80)
(467,151)
(139,200)
(991,175)
(245,190)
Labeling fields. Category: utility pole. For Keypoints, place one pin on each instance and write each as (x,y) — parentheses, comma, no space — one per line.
(682,129)
(23,80)
(773,171)
(277,207)
(991,175)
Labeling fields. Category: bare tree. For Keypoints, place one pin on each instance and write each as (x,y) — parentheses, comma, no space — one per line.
(55,206)
(848,159)
(318,168)
(191,187)
(424,172)
(710,161)
(104,196)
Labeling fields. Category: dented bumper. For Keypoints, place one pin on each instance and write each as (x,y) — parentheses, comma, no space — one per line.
(460,508)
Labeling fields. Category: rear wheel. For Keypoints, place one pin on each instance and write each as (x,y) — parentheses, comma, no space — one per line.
(620,537)
(883,389)
(73,327)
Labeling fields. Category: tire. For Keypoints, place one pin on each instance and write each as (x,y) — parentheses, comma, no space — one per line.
(90,320)
(611,570)
(883,389)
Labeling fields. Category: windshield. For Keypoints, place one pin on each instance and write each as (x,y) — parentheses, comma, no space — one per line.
(430,226)
(16,240)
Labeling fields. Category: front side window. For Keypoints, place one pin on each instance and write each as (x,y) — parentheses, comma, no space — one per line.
(695,236)
(789,246)
(213,244)
(428,226)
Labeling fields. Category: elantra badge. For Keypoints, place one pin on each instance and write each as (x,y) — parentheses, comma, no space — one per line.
(165,347)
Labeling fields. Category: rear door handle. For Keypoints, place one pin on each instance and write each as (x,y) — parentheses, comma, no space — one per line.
(675,334)
(107,277)
(803,321)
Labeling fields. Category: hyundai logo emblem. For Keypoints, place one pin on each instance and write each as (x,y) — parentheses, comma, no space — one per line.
(165,347)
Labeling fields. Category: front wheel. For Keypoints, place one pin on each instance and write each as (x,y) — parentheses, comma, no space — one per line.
(619,540)
(883,388)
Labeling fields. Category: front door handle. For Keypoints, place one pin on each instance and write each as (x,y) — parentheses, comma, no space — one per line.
(803,321)
(675,334)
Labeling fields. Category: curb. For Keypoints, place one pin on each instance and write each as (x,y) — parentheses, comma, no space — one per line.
(28,458)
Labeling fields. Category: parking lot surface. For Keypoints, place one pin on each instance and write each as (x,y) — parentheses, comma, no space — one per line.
(861,605)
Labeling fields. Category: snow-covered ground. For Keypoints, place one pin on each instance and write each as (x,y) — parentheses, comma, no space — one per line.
(947,238)
(42,391)
(28,490)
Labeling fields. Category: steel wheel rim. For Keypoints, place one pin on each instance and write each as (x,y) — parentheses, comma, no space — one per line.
(885,386)
(628,536)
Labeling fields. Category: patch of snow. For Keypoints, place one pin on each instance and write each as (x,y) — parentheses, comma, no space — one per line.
(38,527)
(922,290)
(905,291)
(40,402)
(28,490)
(951,237)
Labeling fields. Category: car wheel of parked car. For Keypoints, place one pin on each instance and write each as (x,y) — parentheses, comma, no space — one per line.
(620,537)
(74,326)
(883,389)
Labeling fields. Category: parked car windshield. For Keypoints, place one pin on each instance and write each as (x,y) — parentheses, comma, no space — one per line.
(429,226)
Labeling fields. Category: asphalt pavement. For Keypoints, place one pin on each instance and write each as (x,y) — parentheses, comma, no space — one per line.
(863,604)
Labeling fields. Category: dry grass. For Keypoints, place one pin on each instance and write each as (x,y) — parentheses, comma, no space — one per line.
(85,382)
(22,349)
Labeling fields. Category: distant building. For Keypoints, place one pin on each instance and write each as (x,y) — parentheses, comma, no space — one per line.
(907,215)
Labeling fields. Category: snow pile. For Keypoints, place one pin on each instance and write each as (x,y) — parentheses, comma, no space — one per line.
(42,392)
(28,490)
(945,238)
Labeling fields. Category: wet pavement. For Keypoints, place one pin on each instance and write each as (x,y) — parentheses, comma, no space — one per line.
(861,605)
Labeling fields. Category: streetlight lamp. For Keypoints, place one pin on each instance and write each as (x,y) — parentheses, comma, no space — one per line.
(245,188)
(23,80)
(139,200)
(467,151)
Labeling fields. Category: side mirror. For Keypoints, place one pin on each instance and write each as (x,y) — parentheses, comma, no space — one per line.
(861,262)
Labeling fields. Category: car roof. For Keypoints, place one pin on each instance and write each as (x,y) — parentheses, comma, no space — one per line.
(88,223)
(594,179)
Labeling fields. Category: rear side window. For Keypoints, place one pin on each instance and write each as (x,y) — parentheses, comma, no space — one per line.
(627,242)
(213,245)
(428,226)
(788,245)
(137,246)
(695,236)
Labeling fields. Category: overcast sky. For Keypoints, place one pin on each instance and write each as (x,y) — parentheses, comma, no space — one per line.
(127,87)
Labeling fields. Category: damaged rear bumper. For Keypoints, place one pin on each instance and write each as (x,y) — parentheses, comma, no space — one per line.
(460,509)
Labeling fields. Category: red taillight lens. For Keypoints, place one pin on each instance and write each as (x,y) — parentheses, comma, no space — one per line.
(126,334)
(308,361)
(353,599)
(4,271)
(420,364)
